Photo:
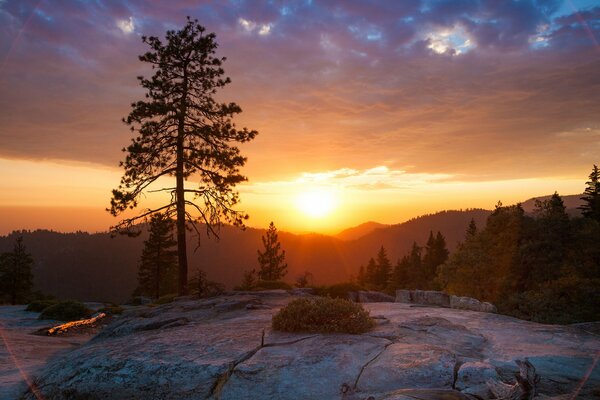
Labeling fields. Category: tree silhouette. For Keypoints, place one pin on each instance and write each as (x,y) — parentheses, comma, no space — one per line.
(591,196)
(158,264)
(471,230)
(16,279)
(272,259)
(183,133)
(384,269)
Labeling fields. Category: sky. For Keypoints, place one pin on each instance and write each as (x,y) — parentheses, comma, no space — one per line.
(366,110)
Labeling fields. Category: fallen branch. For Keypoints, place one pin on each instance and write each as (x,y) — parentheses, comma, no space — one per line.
(63,328)
(524,389)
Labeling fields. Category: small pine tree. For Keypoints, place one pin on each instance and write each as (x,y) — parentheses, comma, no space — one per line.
(304,280)
(471,230)
(157,274)
(384,269)
(248,280)
(16,279)
(400,273)
(415,272)
(371,272)
(362,275)
(272,259)
(591,196)
(436,254)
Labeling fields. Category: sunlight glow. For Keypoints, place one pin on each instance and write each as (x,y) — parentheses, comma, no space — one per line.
(316,203)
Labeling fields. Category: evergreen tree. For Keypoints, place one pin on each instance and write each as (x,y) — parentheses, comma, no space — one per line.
(272,259)
(471,230)
(248,280)
(400,278)
(203,287)
(157,274)
(16,279)
(183,132)
(415,272)
(383,270)
(591,196)
(436,254)
(362,275)
(371,272)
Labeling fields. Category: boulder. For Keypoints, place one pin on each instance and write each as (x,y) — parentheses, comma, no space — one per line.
(430,297)
(403,296)
(472,378)
(374,297)
(466,303)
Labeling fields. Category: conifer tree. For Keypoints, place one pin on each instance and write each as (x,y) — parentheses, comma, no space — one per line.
(384,269)
(183,132)
(415,273)
(157,274)
(400,273)
(591,196)
(471,230)
(371,272)
(272,259)
(436,254)
(16,279)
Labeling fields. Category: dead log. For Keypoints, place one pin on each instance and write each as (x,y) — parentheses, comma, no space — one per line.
(524,389)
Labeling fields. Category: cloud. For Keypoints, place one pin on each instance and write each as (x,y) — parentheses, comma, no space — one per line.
(329,85)
(348,179)
(251,26)
(126,25)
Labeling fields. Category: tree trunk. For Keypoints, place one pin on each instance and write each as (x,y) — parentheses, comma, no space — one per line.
(181,244)
(157,286)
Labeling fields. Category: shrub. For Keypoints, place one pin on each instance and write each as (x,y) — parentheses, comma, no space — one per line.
(40,305)
(66,311)
(322,315)
(271,285)
(112,310)
(338,291)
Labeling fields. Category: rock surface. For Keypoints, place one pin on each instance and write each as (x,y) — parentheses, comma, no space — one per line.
(22,354)
(441,299)
(219,348)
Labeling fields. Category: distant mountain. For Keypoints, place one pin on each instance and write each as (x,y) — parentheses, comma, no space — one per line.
(571,202)
(360,230)
(95,267)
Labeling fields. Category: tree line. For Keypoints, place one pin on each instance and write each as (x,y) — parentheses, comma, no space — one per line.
(544,266)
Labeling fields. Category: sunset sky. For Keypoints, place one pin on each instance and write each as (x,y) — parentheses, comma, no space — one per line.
(366,110)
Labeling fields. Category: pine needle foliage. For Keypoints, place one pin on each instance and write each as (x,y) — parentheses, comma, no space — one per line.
(183,133)
(157,273)
(272,259)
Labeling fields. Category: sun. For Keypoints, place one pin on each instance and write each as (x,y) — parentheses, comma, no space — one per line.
(316,203)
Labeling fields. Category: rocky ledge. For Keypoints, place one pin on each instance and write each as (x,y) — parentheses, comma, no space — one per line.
(224,348)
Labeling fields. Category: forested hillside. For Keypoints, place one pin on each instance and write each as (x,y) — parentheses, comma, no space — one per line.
(97,267)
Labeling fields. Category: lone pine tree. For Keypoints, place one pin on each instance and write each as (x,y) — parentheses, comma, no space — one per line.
(157,275)
(16,279)
(183,132)
(591,196)
(272,259)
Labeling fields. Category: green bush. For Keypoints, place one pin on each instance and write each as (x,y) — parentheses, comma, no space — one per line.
(322,315)
(338,291)
(66,311)
(112,310)
(40,305)
(271,285)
